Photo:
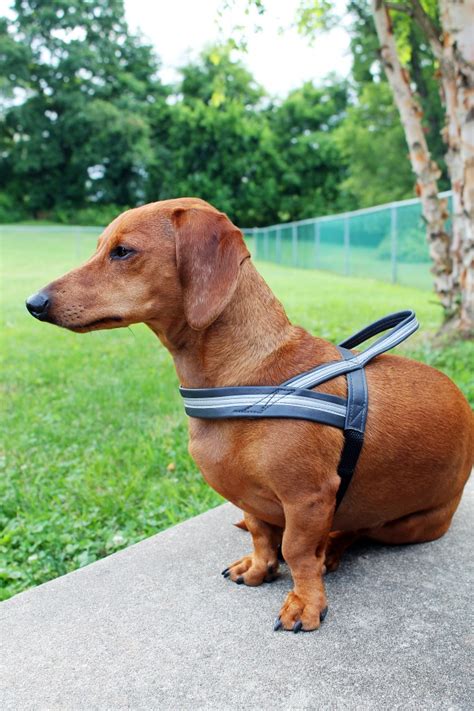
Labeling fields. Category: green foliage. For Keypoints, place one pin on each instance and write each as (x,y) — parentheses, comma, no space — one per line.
(364,44)
(96,128)
(99,215)
(86,122)
(96,437)
(312,16)
(233,164)
(372,141)
(9,210)
(80,134)
(217,78)
(259,162)
(415,53)
(312,165)
(216,143)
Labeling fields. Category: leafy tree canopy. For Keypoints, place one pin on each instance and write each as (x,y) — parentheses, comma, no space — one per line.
(79,131)
(372,143)
(86,121)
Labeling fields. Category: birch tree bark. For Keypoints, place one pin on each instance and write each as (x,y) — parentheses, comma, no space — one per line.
(426,171)
(451,136)
(457,74)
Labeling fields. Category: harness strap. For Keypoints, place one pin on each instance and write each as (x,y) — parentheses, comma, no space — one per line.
(404,323)
(354,426)
(295,398)
(265,401)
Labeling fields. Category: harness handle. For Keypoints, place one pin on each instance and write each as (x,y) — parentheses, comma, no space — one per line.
(397,321)
(402,323)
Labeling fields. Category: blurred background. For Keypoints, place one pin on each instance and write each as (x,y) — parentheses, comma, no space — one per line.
(110,104)
(283,115)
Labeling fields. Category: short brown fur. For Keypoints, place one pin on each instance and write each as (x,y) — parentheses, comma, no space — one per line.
(192,282)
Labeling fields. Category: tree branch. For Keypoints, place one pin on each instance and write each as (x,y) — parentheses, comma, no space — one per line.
(399,8)
(428,26)
(423,20)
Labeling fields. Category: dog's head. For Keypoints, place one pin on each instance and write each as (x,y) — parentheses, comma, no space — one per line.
(165,263)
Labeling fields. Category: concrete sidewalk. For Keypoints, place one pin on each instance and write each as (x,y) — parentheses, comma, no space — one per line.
(156,627)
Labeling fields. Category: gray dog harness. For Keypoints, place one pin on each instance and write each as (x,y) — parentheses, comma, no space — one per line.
(294,398)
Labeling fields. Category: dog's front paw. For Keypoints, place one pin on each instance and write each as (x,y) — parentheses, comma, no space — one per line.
(299,614)
(252,571)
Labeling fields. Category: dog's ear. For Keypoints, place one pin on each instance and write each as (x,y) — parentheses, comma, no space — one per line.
(209,252)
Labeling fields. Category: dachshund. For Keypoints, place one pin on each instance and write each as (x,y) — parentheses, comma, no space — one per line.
(181,267)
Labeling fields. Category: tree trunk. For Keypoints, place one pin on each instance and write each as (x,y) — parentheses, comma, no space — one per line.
(426,170)
(457,70)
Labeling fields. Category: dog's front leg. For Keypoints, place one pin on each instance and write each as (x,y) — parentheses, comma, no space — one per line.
(308,523)
(261,565)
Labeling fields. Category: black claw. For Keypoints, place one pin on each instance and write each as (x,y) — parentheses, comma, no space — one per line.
(240,580)
(323,614)
(225,571)
(297,626)
(226,574)
(277,625)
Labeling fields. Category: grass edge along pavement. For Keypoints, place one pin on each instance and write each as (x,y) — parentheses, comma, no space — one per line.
(94,432)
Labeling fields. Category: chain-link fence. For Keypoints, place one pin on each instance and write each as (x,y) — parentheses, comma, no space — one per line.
(66,243)
(386,242)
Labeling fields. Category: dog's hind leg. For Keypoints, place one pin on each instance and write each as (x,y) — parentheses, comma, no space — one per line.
(418,527)
(338,543)
(261,565)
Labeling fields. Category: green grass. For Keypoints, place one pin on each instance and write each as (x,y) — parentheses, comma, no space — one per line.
(94,432)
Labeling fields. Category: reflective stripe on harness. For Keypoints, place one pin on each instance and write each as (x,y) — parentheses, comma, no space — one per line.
(294,398)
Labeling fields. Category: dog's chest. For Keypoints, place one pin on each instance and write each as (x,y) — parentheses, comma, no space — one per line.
(229,465)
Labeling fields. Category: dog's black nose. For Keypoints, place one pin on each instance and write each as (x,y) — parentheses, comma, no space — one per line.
(38,305)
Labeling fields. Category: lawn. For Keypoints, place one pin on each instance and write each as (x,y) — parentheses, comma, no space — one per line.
(94,432)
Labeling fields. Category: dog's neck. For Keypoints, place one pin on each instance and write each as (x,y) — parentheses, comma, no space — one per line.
(235,348)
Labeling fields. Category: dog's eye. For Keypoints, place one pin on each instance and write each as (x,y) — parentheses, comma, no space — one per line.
(121,252)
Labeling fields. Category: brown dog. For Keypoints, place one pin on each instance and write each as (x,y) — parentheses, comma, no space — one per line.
(182,267)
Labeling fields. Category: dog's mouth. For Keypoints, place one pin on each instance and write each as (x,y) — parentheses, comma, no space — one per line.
(91,325)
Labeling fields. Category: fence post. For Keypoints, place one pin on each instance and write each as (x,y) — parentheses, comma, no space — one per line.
(278,245)
(317,244)
(294,244)
(347,247)
(393,241)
